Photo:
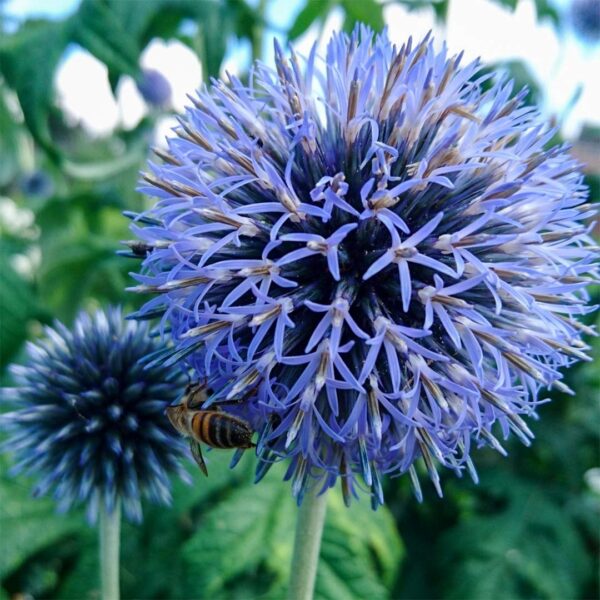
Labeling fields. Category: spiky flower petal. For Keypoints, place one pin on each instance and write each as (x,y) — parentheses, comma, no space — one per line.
(371,259)
(90,424)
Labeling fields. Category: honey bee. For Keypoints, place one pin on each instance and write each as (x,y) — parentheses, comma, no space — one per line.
(214,428)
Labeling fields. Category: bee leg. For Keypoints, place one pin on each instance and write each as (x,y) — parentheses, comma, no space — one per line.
(236,457)
(197,454)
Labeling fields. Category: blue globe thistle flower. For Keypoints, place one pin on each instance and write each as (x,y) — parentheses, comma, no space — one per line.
(37,184)
(370,259)
(154,88)
(585,16)
(91,424)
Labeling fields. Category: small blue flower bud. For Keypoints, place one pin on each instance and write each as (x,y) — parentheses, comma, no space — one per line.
(154,88)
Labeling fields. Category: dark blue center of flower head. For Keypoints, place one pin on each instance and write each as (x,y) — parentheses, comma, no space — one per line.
(369,258)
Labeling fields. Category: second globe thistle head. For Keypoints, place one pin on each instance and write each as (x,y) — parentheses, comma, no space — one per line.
(378,262)
(90,424)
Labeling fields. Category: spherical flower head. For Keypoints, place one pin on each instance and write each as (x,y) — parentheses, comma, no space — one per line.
(372,260)
(585,15)
(154,88)
(37,184)
(90,424)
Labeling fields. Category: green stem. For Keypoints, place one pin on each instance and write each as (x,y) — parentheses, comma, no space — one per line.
(110,531)
(309,529)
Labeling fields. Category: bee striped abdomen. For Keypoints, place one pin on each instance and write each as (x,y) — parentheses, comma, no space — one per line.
(220,430)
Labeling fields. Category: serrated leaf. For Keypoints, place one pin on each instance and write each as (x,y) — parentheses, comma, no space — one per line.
(247,539)
(131,25)
(236,536)
(527,548)
(360,553)
(98,29)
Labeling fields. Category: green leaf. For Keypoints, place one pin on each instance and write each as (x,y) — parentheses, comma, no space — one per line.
(225,537)
(74,269)
(16,308)
(440,9)
(360,553)
(527,548)
(213,29)
(137,16)
(522,76)
(243,17)
(368,12)
(27,62)
(149,569)
(239,534)
(116,32)
(546,10)
(9,142)
(28,525)
(99,30)
(82,581)
(510,4)
(313,10)
(247,539)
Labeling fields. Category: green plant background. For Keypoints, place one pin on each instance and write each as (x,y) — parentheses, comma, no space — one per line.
(529,530)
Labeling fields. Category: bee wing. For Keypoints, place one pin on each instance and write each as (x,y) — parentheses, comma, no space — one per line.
(197,396)
(197,454)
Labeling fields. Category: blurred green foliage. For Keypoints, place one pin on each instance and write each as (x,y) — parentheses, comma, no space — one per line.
(530,529)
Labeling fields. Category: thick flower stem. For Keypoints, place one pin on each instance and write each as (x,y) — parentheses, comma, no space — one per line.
(309,529)
(110,531)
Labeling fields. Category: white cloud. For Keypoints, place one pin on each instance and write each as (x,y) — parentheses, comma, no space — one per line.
(560,65)
(84,93)
(403,23)
(179,65)
(132,108)
(164,129)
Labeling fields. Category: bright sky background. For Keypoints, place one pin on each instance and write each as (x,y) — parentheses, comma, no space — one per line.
(561,63)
